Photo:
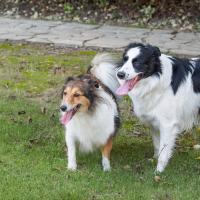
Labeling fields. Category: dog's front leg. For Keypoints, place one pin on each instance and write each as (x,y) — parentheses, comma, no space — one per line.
(156,143)
(71,152)
(167,143)
(106,149)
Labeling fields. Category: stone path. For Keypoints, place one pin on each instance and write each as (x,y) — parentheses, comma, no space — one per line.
(98,36)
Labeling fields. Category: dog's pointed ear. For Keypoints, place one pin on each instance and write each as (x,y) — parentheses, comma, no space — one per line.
(70,78)
(156,51)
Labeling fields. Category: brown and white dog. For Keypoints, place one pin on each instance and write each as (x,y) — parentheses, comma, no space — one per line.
(89,110)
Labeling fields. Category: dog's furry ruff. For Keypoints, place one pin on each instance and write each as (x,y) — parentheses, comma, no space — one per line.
(93,129)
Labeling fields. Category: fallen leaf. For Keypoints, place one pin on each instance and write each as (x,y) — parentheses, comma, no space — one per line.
(21,112)
(33,141)
(196,146)
(141,178)
(157,179)
(52,115)
(43,110)
(126,167)
(14,120)
(29,120)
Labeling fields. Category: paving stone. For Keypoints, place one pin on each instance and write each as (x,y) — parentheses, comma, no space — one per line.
(104,36)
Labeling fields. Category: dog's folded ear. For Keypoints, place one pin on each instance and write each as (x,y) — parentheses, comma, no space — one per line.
(94,83)
(155,50)
(70,78)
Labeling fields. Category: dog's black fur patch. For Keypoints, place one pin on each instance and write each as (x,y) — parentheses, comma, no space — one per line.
(180,70)
(196,76)
(147,62)
(117,123)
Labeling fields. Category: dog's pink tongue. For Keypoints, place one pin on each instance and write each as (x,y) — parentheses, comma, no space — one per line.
(66,117)
(123,89)
(127,86)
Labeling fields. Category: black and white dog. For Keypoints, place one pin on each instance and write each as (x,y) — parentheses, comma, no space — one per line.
(165,91)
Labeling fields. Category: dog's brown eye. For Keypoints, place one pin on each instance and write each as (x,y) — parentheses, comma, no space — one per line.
(64,93)
(76,95)
(135,60)
(135,63)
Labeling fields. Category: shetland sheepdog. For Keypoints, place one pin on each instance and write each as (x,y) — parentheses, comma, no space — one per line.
(89,110)
(165,91)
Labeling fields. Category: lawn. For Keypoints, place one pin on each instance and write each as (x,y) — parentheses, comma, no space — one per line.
(32,148)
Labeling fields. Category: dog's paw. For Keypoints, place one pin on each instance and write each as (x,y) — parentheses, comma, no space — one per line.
(106,164)
(160,168)
(106,169)
(72,167)
(157,173)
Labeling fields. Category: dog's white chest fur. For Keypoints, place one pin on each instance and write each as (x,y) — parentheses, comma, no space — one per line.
(92,130)
(155,103)
(165,108)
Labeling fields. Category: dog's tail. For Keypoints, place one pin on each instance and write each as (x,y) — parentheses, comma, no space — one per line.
(104,67)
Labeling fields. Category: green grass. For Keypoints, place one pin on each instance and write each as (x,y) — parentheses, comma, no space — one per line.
(32,148)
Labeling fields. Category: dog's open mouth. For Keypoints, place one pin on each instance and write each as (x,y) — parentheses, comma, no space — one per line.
(69,114)
(128,85)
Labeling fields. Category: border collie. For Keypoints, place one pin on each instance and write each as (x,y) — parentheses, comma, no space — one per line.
(165,92)
(89,110)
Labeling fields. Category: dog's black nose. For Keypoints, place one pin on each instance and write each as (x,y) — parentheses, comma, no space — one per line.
(121,75)
(63,108)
